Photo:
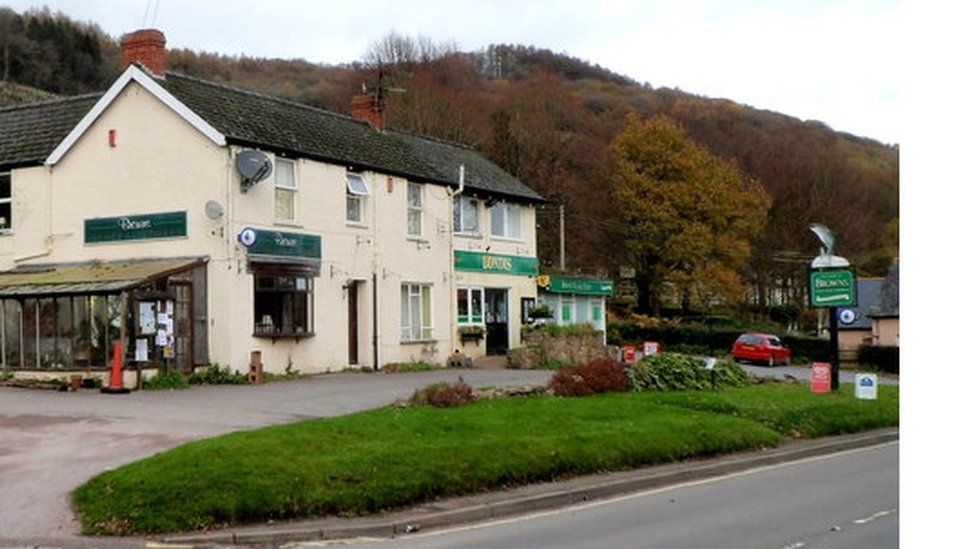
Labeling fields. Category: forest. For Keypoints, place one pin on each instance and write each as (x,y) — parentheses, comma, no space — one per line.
(549,119)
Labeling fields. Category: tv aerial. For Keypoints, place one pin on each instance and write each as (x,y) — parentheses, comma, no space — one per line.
(253,167)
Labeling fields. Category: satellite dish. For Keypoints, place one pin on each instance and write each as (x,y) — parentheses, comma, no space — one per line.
(253,167)
(213,209)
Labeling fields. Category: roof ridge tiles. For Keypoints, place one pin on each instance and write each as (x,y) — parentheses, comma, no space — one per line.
(48,102)
(263,95)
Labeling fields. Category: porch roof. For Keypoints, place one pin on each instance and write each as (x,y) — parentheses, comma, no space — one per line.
(100,277)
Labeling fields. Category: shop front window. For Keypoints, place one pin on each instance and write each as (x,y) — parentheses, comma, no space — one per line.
(282,305)
(471,305)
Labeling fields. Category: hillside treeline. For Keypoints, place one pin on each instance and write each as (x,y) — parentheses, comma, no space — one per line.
(548,118)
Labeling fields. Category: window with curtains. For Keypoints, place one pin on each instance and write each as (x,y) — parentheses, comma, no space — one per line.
(506,220)
(415,209)
(415,313)
(465,215)
(286,190)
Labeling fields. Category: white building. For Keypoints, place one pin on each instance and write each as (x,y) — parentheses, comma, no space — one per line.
(124,216)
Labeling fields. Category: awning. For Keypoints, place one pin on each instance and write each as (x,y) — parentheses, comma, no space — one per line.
(101,277)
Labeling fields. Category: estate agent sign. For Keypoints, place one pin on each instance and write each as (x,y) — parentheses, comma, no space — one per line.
(135,227)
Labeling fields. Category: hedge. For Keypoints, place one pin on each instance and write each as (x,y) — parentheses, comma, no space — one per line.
(883,358)
(717,341)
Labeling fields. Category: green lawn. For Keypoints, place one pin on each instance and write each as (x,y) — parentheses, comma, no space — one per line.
(391,457)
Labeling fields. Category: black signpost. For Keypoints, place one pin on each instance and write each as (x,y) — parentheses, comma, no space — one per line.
(832,284)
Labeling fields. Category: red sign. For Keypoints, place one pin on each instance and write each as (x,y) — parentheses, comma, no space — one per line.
(630,353)
(820,380)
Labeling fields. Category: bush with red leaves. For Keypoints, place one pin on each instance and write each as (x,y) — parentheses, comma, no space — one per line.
(596,376)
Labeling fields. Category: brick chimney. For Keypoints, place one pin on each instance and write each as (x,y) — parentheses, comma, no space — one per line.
(368,108)
(146,46)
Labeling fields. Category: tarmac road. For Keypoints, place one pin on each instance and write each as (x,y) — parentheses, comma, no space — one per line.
(838,501)
(803,372)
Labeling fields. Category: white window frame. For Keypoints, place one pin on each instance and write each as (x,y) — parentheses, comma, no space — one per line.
(507,217)
(415,209)
(408,334)
(357,194)
(8,200)
(291,189)
(459,202)
(469,318)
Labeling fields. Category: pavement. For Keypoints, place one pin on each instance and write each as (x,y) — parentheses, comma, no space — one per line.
(53,441)
(496,506)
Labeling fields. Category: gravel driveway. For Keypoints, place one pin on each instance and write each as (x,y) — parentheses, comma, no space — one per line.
(50,442)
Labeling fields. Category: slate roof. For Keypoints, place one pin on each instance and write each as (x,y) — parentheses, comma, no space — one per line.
(887,306)
(868,290)
(253,119)
(29,132)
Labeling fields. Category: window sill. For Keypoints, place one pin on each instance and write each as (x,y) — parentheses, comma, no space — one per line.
(281,335)
(356,225)
(507,239)
(476,236)
(417,341)
(6,232)
(287,223)
(416,238)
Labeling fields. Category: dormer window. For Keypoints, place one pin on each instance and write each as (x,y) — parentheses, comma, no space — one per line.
(357,189)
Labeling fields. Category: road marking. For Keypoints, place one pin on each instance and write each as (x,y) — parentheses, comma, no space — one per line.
(625,497)
(877,515)
(796,545)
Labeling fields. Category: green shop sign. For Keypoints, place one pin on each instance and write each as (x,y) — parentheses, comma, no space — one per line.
(496,263)
(578,286)
(280,243)
(135,227)
(833,288)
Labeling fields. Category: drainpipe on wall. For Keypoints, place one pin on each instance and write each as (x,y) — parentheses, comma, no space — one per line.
(452,292)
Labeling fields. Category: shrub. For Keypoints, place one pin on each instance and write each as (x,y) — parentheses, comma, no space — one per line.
(884,358)
(165,380)
(444,395)
(596,376)
(412,366)
(672,372)
(215,374)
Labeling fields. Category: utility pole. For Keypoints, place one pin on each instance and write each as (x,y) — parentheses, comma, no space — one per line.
(562,238)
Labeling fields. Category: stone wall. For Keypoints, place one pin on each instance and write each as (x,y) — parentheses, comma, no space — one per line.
(577,346)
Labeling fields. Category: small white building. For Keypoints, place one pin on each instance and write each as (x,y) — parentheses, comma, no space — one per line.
(124,216)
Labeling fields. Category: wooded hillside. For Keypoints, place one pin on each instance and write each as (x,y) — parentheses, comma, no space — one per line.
(549,119)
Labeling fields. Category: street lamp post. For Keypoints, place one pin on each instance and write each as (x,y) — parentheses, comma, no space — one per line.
(832,285)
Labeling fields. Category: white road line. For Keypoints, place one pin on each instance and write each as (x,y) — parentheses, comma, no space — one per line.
(626,497)
(877,515)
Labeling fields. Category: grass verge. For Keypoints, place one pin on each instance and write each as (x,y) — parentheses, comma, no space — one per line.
(390,457)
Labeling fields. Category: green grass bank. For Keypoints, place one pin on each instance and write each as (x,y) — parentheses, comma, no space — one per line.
(391,457)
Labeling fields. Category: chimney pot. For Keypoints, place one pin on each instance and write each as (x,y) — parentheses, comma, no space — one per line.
(145,46)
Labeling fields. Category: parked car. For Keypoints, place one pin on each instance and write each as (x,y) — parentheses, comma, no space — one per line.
(763,348)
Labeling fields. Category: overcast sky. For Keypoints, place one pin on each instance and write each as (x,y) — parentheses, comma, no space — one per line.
(833,61)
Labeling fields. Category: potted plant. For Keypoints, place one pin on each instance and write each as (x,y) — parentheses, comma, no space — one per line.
(471,333)
(540,310)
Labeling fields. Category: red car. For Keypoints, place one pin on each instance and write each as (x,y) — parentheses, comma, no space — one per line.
(764,348)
